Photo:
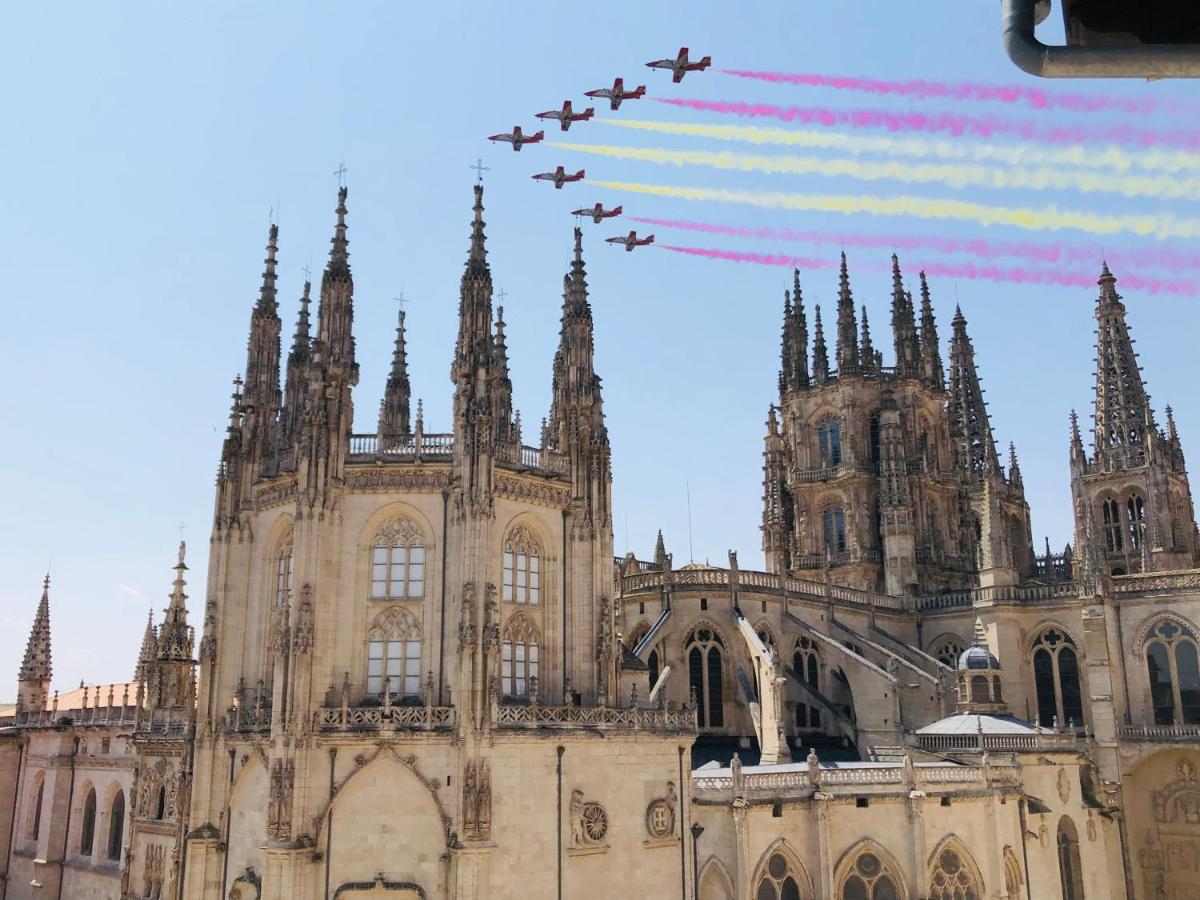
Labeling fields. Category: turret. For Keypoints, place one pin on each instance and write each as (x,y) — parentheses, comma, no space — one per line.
(171,683)
(394,418)
(33,681)
(848,362)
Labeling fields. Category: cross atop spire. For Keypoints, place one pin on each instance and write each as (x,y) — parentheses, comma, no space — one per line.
(340,172)
(479,168)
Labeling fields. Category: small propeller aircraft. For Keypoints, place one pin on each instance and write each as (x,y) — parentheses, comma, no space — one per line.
(615,94)
(517,138)
(558,176)
(680,66)
(567,115)
(598,213)
(631,240)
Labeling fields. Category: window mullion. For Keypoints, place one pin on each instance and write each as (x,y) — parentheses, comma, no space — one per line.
(1176,696)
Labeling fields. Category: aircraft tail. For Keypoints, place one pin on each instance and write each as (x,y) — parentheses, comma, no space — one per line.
(618,84)
(538,136)
(579,174)
(589,112)
(650,239)
(618,210)
(707,61)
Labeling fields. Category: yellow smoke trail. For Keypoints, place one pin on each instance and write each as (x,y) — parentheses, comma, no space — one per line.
(1107,157)
(1046,218)
(955,176)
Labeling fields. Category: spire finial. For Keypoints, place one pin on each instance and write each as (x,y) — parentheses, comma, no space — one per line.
(36,666)
(478,249)
(339,253)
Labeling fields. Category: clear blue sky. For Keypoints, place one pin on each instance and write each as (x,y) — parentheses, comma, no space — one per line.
(144,144)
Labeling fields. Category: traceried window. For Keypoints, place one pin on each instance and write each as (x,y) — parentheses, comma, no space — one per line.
(806,663)
(948,650)
(1056,679)
(833,526)
(519,657)
(779,881)
(522,565)
(87,829)
(1070,871)
(951,879)
(394,654)
(1174,669)
(398,562)
(829,442)
(1111,512)
(283,573)
(116,826)
(1135,515)
(705,666)
(870,880)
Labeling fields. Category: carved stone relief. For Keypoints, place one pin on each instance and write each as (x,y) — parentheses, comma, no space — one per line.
(660,814)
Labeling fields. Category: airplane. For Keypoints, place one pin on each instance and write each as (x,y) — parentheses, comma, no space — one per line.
(567,115)
(617,93)
(631,241)
(680,65)
(517,139)
(558,176)
(598,212)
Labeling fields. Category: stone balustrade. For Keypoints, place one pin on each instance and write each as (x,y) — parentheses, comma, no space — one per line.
(98,716)
(440,447)
(385,718)
(1157,582)
(1160,733)
(535,715)
(1006,743)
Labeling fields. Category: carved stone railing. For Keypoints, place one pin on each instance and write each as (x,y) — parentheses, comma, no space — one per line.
(98,716)
(381,718)
(1157,582)
(1012,593)
(1012,743)
(164,722)
(440,447)
(828,473)
(845,558)
(535,715)
(1160,733)
(248,720)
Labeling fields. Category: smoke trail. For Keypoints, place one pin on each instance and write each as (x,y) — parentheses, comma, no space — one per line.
(1046,218)
(1094,156)
(971,91)
(1136,258)
(1012,275)
(955,176)
(942,123)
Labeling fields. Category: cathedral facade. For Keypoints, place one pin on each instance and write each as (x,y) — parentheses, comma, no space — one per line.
(418,670)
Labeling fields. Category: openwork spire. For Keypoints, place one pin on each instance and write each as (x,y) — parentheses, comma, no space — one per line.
(397,395)
(1122,409)
(174,635)
(787,375)
(931,354)
(335,315)
(298,361)
(148,651)
(262,351)
(968,413)
(661,560)
(266,296)
(339,250)
(800,329)
(36,666)
(575,407)
(866,350)
(474,346)
(820,356)
(904,326)
(847,328)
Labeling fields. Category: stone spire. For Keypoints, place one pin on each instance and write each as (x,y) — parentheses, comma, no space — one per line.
(866,351)
(394,416)
(149,650)
(261,396)
(1014,467)
(661,560)
(904,326)
(931,354)
(36,668)
(335,313)
(800,332)
(1121,406)
(298,361)
(787,355)
(969,421)
(170,678)
(1077,453)
(820,356)
(847,328)
(506,421)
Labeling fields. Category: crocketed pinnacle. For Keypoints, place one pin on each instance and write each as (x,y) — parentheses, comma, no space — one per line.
(660,552)
(820,355)
(866,351)
(397,394)
(174,635)
(904,326)
(969,421)
(302,337)
(800,329)
(339,251)
(267,302)
(1121,405)
(931,354)
(848,362)
(36,665)
(149,648)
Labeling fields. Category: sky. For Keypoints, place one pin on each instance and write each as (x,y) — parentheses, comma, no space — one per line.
(146,147)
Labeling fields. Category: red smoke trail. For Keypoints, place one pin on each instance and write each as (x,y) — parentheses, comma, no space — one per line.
(969,91)
(1165,257)
(942,123)
(1013,274)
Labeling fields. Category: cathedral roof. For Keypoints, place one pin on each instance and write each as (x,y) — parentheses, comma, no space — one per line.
(981,723)
(978,657)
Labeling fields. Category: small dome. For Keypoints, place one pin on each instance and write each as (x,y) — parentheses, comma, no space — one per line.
(977,657)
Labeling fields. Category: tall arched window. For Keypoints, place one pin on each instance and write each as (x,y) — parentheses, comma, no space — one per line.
(1135,514)
(35,816)
(394,653)
(829,442)
(779,880)
(833,525)
(952,878)
(116,826)
(870,879)
(283,572)
(1070,871)
(1113,540)
(87,827)
(704,648)
(1173,665)
(398,562)
(654,664)
(160,803)
(806,663)
(522,562)
(1056,679)
(947,650)
(519,656)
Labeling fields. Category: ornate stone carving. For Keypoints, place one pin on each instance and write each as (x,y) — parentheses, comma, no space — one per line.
(543,494)
(466,622)
(302,631)
(279,803)
(368,480)
(477,801)
(1063,785)
(152,872)
(660,814)
(589,822)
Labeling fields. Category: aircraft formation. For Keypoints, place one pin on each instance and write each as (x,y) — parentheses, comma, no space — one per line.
(566,116)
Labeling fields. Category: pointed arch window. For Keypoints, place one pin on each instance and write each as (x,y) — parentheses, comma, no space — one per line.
(1056,679)
(394,654)
(654,664)
(398,562)
(952,879)
(870,879)
(284,558)
(522,568)
(1113,540)
(1173,666)
(948,650)
(116,826)
(35,818)
(519,654)
(1135,515)
(829,442)
(779,880)
(806,664)
(833,525)
(705,676)
(1070,872)
(87,829)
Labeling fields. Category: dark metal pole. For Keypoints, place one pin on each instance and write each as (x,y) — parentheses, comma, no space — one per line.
(442,616)
(682,819)
(697,830)
(561,751)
